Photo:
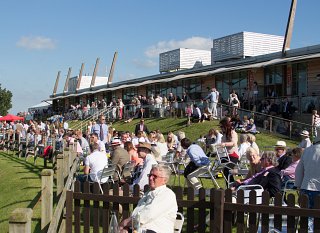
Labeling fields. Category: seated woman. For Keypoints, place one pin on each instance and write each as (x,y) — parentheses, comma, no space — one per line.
(172,143)
(254,163)
(251,127)
(269,177)
(289,172)
(132,151)
(252,140)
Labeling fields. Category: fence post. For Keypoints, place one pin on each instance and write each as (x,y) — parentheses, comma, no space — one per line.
(65,163)
(218,210)
(271,124)
(46,198)
(60,174)
(290,127)
(20,220)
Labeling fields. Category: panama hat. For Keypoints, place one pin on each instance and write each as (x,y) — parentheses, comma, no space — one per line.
(304,133)
(115,142)
(144,145)
(281,144)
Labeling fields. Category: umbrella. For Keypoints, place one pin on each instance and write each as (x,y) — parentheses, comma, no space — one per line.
(10,117)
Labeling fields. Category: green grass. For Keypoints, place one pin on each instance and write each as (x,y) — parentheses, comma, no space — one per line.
(20,185)
(265,139)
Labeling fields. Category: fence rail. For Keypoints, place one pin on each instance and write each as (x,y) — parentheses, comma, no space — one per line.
(90,210)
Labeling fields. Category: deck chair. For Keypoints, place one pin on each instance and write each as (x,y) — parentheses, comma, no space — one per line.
(178,223)
(106,175)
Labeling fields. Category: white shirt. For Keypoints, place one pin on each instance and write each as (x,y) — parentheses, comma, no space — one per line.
(96,161)
(305,143)
(147,165)
(243,148)
(102,146)
(157,209)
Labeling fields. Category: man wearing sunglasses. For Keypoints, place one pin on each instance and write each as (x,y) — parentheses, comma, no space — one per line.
(157,208)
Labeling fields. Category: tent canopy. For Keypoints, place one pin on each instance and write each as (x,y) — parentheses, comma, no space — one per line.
(10,117)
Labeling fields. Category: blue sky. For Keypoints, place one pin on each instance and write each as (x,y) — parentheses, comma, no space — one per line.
(40,38)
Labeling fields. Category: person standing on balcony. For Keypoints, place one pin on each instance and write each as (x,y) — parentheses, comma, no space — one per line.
(213,98)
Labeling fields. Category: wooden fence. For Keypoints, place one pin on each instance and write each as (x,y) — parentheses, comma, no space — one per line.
(52,219)
(88,211)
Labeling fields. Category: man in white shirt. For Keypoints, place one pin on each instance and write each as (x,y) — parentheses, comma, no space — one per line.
(157,208)
(144,152)
(93,165)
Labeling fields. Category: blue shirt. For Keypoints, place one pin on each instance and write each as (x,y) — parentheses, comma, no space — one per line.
(96,129)
(197,155)
(213,96)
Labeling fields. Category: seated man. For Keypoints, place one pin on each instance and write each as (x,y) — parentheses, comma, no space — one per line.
(194,168)
(93,165)
(269,177)
(158,207)
(94,138)
(144,152)
(119,157)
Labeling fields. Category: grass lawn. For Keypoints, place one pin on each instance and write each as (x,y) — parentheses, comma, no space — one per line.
(20,185)
(264,139)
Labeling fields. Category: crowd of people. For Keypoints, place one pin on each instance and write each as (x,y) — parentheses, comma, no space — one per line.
(100,145)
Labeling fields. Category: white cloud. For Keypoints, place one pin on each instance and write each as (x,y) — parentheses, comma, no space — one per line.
(36,42)
(144,63)
(191,43)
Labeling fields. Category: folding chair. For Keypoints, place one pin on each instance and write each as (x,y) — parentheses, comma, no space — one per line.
(247,189)
(241,169)
(222,161)
(288,186)
(178,223)
(210,173)
(106,175)
(128,168)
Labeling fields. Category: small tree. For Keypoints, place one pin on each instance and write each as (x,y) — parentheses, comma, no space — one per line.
(5,101)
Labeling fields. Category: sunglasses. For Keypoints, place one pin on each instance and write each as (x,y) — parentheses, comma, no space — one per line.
(155,176)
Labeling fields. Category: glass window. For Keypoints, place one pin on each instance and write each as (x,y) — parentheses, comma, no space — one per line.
(299,79)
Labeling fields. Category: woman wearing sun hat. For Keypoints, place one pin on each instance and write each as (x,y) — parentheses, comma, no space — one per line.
(305,142)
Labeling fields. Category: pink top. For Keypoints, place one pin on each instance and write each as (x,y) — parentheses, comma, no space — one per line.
(134,157)
(289,171)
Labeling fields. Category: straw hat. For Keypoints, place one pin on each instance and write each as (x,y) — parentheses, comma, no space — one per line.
(280,144)
(304,133)
(144,145)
